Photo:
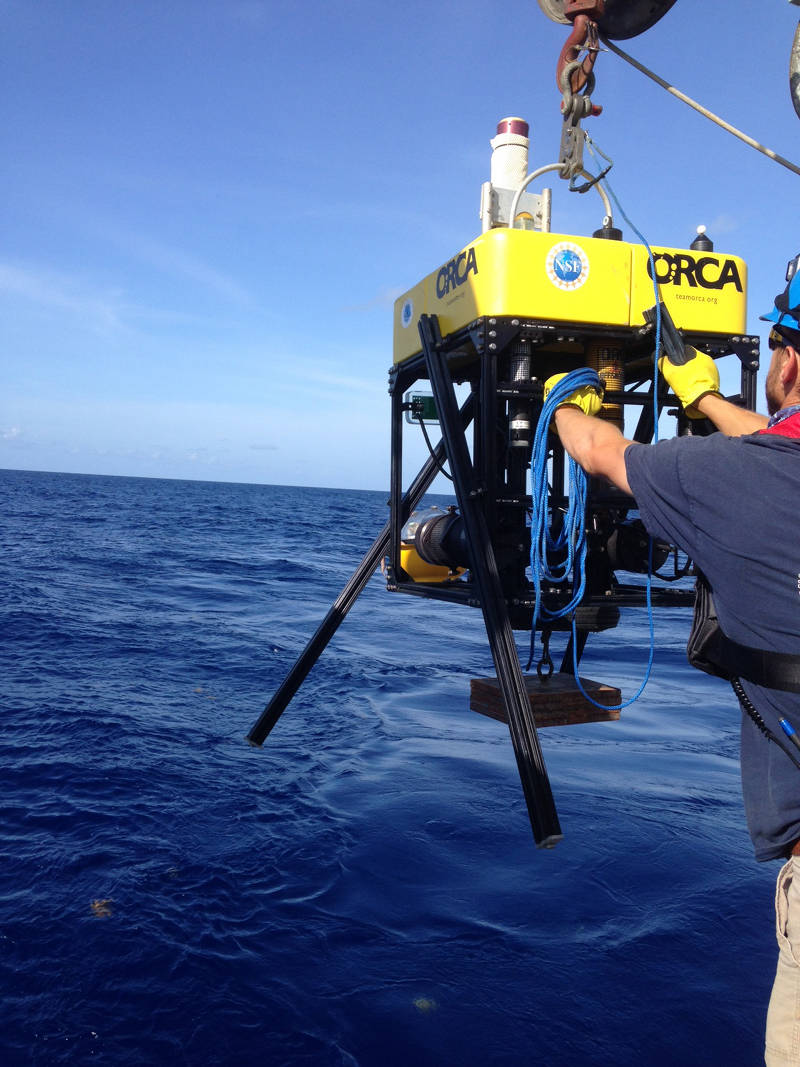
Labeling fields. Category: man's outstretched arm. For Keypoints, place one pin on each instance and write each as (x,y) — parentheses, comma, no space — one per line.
(597,445)
(729,418)
(696,385)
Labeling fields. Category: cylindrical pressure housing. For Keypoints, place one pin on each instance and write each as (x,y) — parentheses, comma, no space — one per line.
(607,361)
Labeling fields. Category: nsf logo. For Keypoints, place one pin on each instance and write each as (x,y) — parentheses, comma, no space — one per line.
(567,266)
(407,313)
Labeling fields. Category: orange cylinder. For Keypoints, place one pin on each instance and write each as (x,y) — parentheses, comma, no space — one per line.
(607,361)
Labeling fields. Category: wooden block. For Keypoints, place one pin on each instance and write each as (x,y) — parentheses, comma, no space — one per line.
(556,701)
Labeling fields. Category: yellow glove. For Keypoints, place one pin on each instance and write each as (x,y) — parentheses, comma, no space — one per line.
(586,398)
(691,381)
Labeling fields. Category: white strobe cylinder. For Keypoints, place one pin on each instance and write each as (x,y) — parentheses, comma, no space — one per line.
(510,153)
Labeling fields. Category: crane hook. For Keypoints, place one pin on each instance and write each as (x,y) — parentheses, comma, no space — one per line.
(572,73)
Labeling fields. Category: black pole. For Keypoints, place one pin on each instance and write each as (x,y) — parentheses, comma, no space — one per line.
(330,624)
(530,761)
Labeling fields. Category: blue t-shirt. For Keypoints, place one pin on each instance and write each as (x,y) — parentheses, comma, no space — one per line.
(732,503)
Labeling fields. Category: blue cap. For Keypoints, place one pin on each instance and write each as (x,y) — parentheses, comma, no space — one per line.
(786,312)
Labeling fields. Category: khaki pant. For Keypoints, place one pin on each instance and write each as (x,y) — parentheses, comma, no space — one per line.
(783,1017)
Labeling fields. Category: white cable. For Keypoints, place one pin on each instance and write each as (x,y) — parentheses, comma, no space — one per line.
(545,170)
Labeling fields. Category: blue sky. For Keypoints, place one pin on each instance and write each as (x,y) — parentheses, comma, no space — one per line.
(210,206)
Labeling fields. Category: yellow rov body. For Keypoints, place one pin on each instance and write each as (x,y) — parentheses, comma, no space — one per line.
(582,281)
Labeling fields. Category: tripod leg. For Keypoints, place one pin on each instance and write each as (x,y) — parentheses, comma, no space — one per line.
(530,761)
(330,624)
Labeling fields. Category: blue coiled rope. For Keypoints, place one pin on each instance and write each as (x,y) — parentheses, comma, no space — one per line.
(548,560)
(557,559)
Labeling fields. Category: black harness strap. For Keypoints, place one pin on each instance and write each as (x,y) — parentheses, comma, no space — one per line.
(710,650)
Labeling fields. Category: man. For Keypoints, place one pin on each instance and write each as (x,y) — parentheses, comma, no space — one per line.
(730,501)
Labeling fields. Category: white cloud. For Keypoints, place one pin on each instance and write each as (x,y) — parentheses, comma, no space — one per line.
(181,264)
(101,311)
(383,299)
(721,225)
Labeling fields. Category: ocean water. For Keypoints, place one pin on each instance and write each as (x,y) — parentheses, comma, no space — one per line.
(364,889)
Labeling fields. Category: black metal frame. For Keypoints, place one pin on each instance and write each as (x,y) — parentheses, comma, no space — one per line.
(493,500)
(479,355)
(491,489)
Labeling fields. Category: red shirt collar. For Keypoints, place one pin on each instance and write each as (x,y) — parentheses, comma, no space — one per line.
(788,426)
